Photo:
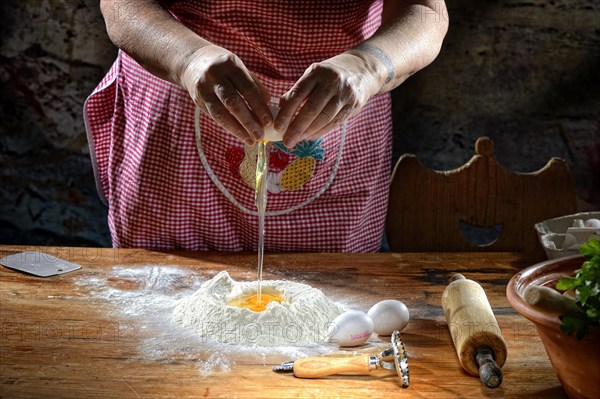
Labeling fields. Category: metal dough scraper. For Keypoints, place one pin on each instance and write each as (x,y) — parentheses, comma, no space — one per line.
(38,263)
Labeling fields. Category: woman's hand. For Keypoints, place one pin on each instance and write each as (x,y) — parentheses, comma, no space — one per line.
(326,95)
(223,88)
(216,79)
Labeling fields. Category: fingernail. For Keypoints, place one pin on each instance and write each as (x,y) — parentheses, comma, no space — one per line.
(257,134)
(291,143)
(250,142)
(266,119)
(279,127)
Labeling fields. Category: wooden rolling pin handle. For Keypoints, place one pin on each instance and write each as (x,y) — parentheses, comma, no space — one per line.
(489,371)
(319,366)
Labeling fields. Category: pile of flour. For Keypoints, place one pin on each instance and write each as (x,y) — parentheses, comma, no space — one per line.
(301,319)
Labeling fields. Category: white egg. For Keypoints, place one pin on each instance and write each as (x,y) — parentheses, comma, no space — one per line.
(578,223)
(351,328)
(592,223)
(388,315)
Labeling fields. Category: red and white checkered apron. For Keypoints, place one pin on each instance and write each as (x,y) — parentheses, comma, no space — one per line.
(173,179)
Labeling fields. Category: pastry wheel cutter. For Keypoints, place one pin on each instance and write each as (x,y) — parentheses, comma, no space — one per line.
(322,366)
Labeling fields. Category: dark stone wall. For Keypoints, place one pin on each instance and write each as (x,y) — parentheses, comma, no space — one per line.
(52,55)
(523,73)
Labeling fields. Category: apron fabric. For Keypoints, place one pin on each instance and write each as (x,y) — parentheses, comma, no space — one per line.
(173,179)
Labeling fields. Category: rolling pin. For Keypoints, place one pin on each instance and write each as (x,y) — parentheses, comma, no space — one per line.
(475,332)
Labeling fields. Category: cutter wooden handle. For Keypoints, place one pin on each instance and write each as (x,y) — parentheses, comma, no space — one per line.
(316,367)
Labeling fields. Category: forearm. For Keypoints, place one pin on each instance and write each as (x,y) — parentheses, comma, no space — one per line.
(409,39)
(216,79)
(149,34)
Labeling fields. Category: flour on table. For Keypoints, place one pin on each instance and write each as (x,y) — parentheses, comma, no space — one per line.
(301,319)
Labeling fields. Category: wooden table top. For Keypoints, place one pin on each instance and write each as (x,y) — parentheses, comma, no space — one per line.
(103,331)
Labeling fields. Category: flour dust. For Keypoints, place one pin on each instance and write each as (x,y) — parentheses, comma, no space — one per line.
(302,318)
(146,296)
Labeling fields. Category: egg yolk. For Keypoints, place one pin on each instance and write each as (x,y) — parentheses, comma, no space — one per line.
(251,302)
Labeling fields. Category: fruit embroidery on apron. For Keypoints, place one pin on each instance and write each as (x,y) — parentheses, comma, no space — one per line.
(290,170)
(299,172)
(285,174)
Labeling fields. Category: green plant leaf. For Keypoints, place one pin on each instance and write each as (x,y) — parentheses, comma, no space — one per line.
(593,313)
(583,294)
(587,294)
(590,249)
(572,325)
(565,283)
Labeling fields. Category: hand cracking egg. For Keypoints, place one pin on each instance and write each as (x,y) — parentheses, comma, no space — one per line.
(270,133)
(388,315)
(351,328)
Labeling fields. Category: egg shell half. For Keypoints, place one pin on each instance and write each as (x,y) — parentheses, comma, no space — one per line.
(570,241)
(389,315)
(272,135)
(351,328)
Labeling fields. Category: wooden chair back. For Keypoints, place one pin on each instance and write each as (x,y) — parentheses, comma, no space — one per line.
(427,207)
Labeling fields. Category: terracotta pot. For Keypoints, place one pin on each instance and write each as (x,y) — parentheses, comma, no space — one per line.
(577,363)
